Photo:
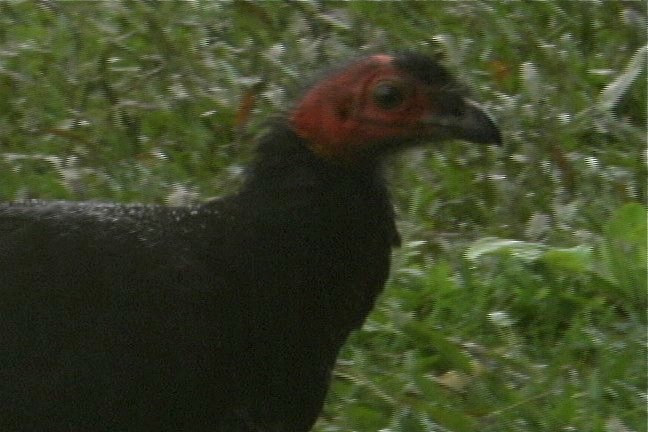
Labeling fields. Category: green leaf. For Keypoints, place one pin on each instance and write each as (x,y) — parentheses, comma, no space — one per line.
(527,251)
(623,254)
(628,223)
(453,420)
(616,89)
(451,353)
(578,258)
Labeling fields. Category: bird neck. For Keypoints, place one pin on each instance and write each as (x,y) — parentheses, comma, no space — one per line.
(289,182)
(285,161)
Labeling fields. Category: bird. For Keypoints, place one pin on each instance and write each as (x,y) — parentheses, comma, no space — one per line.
(227,315)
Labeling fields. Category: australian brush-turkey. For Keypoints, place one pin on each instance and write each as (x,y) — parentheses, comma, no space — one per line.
(226,316)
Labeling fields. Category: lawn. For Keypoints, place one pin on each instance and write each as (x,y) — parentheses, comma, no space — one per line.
(518,299)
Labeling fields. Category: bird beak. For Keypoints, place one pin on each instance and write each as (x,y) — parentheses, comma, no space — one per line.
(472,124)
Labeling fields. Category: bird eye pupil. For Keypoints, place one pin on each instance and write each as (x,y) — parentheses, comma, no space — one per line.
(388,96)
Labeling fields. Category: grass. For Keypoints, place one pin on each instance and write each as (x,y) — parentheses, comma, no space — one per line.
(518,300)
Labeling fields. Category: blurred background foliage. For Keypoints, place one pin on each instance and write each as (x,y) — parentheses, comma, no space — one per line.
(517,302)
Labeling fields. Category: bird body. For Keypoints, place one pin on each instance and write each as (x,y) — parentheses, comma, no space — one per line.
(226,316)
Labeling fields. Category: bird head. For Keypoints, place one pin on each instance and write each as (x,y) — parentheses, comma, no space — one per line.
(383,102)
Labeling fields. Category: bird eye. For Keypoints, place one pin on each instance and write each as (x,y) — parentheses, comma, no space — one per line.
(388,95)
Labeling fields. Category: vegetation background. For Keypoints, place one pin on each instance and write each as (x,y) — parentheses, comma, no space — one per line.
(518,301)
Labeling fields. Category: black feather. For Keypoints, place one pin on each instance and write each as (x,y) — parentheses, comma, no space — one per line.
(221,317)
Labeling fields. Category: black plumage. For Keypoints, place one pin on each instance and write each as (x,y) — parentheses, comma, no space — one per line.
(226,316)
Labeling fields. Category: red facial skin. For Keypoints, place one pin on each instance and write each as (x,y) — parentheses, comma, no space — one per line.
(339,117)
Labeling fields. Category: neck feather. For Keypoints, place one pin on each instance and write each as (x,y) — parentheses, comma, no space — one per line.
(285,160)
(287,178)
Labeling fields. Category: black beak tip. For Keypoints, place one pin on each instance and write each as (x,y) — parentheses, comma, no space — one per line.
(479,126)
